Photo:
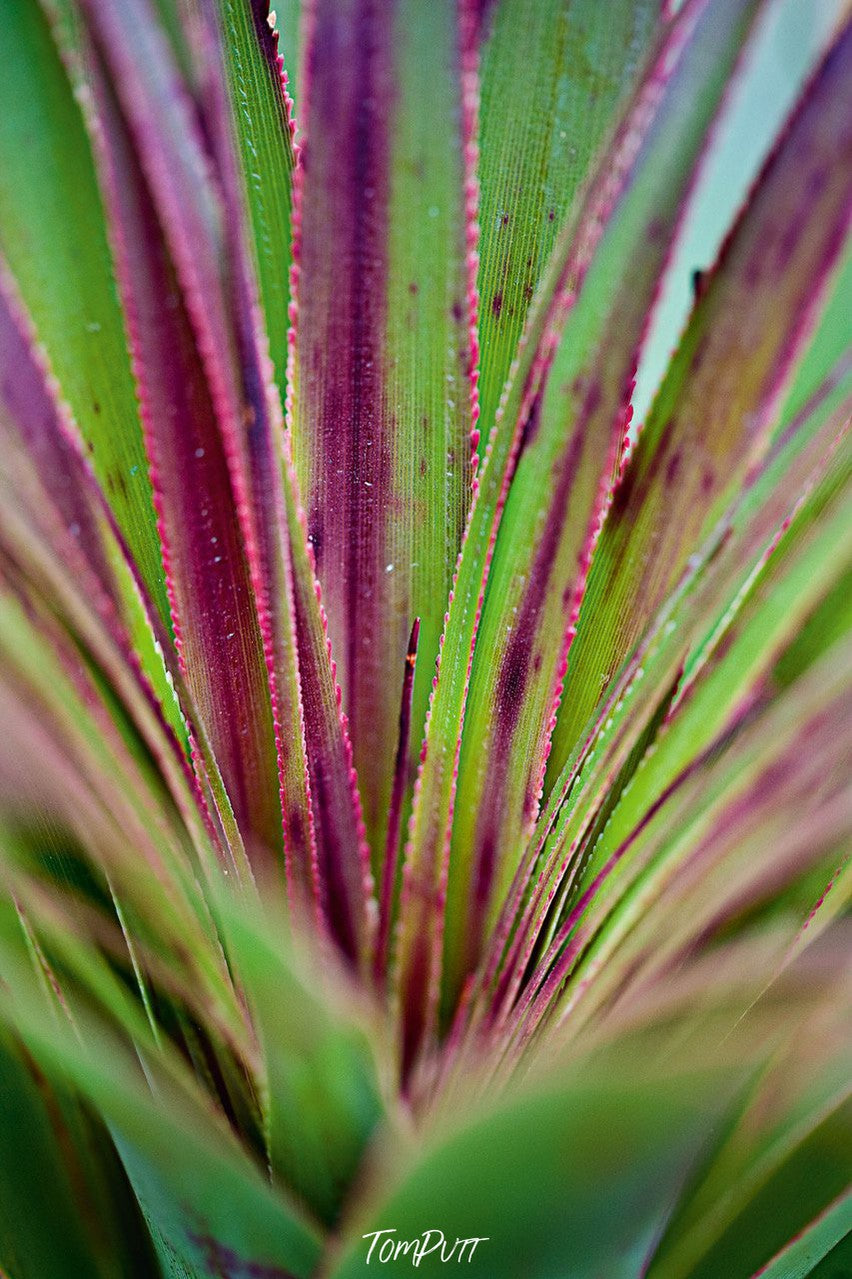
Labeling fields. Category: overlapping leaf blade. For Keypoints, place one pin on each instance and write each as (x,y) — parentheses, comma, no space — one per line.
(163,1140)
(607,900)
(821,415)
(619,181)
(716,411)
(698,619)
(198,202)
(58,532)
(784,1146)
(209,579)
(571,444)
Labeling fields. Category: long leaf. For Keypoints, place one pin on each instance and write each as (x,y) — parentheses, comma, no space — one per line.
(698,619)
(382,398)
(717,703)
(57,526)
(205,237)
(52,235)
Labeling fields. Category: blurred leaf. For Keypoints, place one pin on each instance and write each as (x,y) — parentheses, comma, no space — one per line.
(51,500)
(324,1092)
(191,1176)
(581,1174)
(827,349)
(766,1183)
(65,1205)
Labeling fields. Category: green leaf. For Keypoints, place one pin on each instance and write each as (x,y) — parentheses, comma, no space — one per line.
(617,879)
(261,122)
(828,348)
(801,1257)
(324,1095)
(192,1177)
(65,1205)
(576,1178)
(701,617)
(53,237)
(77,766)
(717,844)
(766,1185)
(554,77)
